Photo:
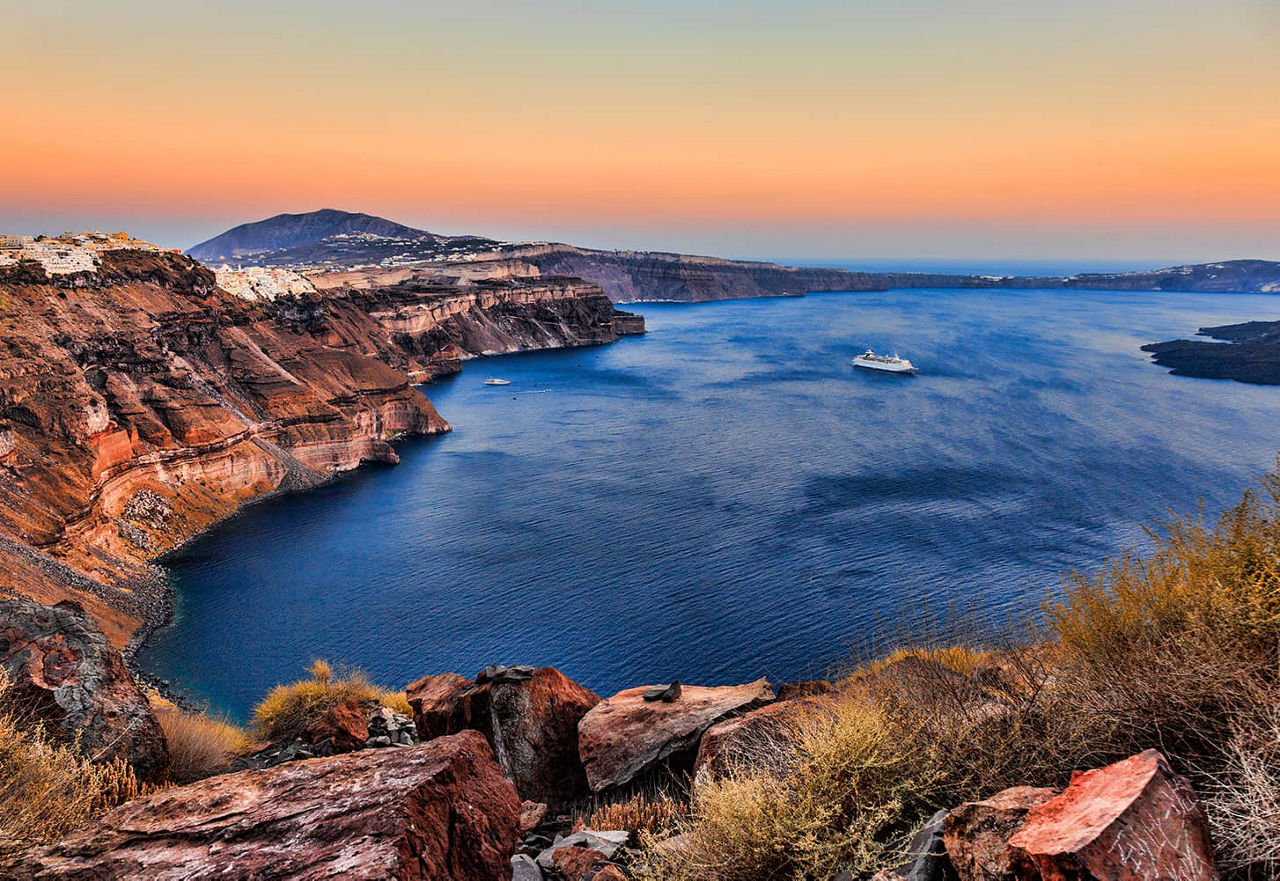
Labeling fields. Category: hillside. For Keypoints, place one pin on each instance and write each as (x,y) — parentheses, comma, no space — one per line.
(140,402)
(325,242)
(325,236)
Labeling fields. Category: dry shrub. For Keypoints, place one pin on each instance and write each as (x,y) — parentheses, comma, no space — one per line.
(199,745)
(846,779)
(47,788)
(1244,803)
(287,710)
(640,815)
(1177,650)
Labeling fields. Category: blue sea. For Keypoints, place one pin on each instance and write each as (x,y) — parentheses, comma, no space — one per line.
(726,497)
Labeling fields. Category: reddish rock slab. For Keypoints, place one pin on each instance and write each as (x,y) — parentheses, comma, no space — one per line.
(1131,821)
(625,735)
(532,813)
(68,676)
(344,724)
(808,688)
(442,705)
(749,738)
(976,834)
(576,863)
(440,811)
(530,717)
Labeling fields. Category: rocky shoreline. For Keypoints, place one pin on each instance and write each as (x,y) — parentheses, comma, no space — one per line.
(141,404)
(487,777)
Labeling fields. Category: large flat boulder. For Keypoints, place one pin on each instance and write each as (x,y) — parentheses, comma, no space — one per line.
(1131,821)
(65,674)
(627,734)
(529,716)
(440,810)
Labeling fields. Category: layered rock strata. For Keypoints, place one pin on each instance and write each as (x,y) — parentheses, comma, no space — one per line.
(140,403)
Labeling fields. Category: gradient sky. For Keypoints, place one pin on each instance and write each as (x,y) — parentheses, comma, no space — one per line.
(863,129)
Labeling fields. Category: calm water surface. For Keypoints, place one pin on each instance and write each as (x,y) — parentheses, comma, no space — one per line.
(727,498)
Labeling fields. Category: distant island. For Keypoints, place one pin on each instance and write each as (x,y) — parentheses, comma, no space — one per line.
(1249,352)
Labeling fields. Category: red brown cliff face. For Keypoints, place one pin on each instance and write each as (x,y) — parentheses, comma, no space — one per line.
(141,403)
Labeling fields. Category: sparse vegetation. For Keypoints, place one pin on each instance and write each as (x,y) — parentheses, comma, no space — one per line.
(48,788)
(642,815)
(199,745)
(287,709)
(1177,650)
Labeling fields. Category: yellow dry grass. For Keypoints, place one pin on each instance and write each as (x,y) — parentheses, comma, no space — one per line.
(48,788)
(1177,650)
(199,745)
(287,709)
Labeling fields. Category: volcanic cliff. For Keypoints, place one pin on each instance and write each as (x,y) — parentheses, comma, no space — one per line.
(140,403)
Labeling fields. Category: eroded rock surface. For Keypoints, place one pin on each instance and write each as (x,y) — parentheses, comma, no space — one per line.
(625,735)
(440,810)
(977,833)
(530,716)
(65,674)
(752,739)
(1131,821)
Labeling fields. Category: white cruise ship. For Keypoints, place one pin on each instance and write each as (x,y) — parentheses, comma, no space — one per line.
(887,363)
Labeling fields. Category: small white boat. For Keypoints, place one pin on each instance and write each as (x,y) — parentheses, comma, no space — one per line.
(493,380)
(869,360)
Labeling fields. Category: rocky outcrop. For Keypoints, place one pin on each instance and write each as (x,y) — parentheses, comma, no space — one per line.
(64,673)
(626,735)
(530,717)
(140,403)
(145,404)
(633,276)
(977,833)
(431,326)
(440,810)
(752,738)
(1130,821)
(1252,354)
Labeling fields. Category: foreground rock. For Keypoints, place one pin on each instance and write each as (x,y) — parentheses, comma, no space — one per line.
(753,739)
(1135,819)
(977,833)
(344,726)
(530,717)
(436,811)
(66,675)
(626,734)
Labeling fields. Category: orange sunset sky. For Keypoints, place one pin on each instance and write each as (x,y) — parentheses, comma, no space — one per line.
(1144,131)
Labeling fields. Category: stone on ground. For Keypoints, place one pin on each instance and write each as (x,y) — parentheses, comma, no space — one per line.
(1130,821)
(344,724)
(440,810)
(626,735)
(977,833)
(65,674)
(530,717)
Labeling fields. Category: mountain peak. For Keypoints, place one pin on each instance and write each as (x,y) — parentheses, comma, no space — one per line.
(296,230)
